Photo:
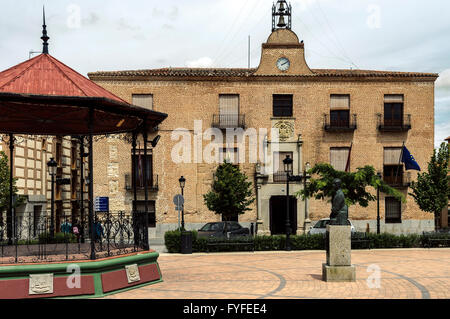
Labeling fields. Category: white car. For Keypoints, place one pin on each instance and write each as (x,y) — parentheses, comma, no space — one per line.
(321,227)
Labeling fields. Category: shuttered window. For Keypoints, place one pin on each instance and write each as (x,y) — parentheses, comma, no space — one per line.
(230,154)
(228,110)
(282,105)
(339,157)
(143,100)
(339,102)
(392,155)
(393,98)
(393,210)
(279,175)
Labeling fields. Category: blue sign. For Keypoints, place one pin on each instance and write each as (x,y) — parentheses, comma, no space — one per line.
(101,204)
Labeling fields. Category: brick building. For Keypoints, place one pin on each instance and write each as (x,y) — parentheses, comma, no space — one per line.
(318,113)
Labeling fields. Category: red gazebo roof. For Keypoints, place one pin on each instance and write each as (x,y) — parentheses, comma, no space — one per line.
(45,75)
(46,97)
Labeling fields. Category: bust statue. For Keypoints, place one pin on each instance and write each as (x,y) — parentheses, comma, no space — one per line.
(339,210)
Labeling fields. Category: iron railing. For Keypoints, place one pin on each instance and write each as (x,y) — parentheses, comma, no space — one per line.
(394,125)
(223,121)
(339,125)
(111,234)
(401,181)
(153,183)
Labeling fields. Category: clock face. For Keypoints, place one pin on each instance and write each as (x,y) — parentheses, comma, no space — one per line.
(283,64)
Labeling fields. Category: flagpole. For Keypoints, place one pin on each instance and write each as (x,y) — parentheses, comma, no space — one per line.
(399,160)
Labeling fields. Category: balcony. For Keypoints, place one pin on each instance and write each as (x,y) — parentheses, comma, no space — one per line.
(402,181)
(152,183)
(224,121)
(394,125)
(340,124)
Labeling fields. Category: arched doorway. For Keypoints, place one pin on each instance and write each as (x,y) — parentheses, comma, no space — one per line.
(278,215)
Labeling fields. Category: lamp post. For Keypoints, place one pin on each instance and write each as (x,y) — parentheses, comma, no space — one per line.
(52,171)
(378,205)
(288,170)
(305,174)
(182,181)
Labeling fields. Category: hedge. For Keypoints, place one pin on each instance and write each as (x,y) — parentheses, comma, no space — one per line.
(298,242)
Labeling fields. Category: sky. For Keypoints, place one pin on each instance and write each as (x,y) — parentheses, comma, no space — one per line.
(94,35)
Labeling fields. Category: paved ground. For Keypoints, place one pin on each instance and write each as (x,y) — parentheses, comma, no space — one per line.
(404,273)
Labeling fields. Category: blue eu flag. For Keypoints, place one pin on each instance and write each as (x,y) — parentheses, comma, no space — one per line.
(408,159)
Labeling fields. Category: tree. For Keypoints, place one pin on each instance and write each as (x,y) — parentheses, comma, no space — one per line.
(432,191)
(354,185)
(231,194)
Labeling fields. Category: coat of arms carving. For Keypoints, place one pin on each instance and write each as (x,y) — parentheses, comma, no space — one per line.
(132,273)
(40,284)
(285,129)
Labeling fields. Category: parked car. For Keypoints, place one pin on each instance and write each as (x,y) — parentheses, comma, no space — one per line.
(223,229)
(321,227)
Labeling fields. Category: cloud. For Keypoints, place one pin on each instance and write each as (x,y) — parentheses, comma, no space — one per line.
(204,62)
(124,25)
(443,82)
(92,19)
(442,131)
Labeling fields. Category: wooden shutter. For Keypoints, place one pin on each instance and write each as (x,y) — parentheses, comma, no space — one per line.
(229,104)
(393,98)
(338,157)
(392,155)
(339,102)
(393,210)
(143,100)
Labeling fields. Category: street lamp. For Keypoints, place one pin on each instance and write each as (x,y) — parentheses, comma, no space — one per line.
(182,181)
(52,171)
(288,170)
(305,177)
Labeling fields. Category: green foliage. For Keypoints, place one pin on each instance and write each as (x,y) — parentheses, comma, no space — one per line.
(231,194)
(432,189)
(299,242)
(4,185)
(59,238)
(354,185)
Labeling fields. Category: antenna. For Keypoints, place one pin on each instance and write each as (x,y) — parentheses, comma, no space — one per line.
(249,51)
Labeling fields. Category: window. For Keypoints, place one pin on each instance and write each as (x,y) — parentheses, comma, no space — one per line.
(392,171)
(279,175)
(228,110)
(143,100)
(230,154)
(393,110)
(339,110)
(393,212)
(282,105)
(339,157)
(151,205)
(138,168)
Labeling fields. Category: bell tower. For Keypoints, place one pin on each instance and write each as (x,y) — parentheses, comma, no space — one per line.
(283,53)
(280,12)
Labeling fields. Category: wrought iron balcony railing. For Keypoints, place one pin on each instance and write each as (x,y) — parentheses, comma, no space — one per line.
(394,125)
(339,125)
(152,183)
(401,181)
(223,121)
(280,177)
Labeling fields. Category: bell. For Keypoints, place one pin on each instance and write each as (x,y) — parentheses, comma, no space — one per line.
(281,8)
(281,23)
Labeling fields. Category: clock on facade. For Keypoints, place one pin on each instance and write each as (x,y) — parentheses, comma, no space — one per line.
(283,64)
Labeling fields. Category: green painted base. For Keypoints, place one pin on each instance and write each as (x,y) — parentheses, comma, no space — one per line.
(80,279)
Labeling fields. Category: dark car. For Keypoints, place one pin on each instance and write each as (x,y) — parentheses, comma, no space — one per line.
(223,229)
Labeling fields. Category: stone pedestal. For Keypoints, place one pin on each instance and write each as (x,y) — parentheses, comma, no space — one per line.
(338,246)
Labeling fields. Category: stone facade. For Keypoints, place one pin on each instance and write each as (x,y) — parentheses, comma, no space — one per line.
(189,95)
